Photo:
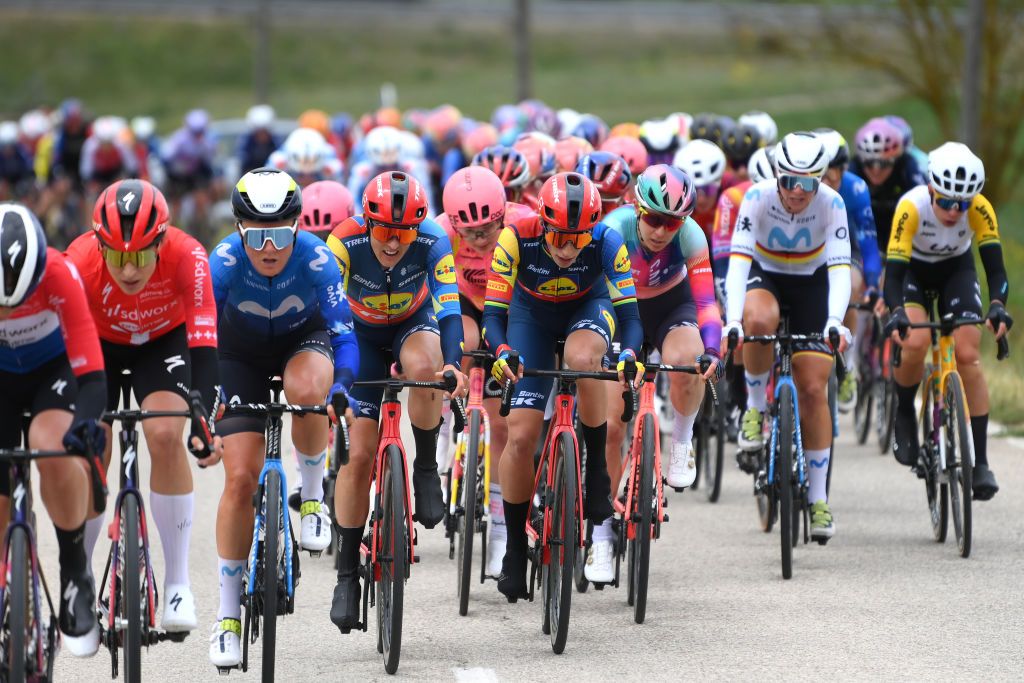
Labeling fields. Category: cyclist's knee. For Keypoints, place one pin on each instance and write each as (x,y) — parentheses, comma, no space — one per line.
(240,483)
(163,440)
(967,356)
(420,367)
(583,360)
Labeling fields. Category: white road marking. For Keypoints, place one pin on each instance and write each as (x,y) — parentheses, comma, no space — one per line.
(475,675)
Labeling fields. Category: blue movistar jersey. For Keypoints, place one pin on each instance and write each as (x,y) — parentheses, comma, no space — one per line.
(854,192)
(306,295)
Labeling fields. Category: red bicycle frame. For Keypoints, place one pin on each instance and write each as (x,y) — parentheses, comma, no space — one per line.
(389,434)
(633,459)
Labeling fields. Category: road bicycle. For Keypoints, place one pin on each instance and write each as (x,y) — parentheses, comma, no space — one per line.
(128,603)
(555,522)
(946,456)
(780,485)
(388,550)
(272,569)
(29,637)
(876,393)
(710,438)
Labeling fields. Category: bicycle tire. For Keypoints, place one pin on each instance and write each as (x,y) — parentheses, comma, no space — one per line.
(765,499)
(642,534)
(936,492)
(886,417)
(713,474)
(559,570)
(16,606)
(784,477)
(467,521)
(131,589)
(863,408)
(579,576)
(701,442)
(959,442)
(393,555)
(270,561)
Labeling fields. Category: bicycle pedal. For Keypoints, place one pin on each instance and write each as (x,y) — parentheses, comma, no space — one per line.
(679,489)
(225,670)
(315,553)
(664,518)
(599,586)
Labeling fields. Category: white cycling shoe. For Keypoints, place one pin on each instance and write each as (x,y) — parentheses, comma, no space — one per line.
(315,534)
(599,568)
(682,468)
(225,644)
(495,550)
(179,609)
(83,646)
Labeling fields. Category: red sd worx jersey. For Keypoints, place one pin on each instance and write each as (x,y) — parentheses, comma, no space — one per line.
(180,291)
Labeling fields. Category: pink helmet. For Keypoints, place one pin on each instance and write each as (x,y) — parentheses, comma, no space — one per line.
(325,204)
(878,139)
(473,196)
(478,139)
(630,149)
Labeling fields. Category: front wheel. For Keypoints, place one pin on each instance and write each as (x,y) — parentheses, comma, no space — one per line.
(564,542)
(784,472)
(936,491)
(959,462)
(393,556)
(640,546)
(716,448)
(272,526)
(467,517)
(130,597)
(16,606)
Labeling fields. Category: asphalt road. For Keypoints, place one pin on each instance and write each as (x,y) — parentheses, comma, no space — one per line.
(881,601)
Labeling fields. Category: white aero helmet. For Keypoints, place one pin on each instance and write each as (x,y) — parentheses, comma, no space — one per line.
(567,119)
(8,133)
(143,127)
(383,146)
(760,166)
(836,149)
(35,124)
(703,160)
(304,151)
(24,247)
(410,146)
(108,128)
(954,171)
(661,135)
(764,124)
(801,154)
(259,116)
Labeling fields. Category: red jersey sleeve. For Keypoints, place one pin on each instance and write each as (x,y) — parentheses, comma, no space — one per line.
(65,295)
(196,288)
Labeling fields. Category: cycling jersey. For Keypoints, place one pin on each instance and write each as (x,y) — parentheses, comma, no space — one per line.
(179,291)
(185,153)
(254,148)
(684,259)
(306,295)
(523,273)
(105,162)
(15,165)
(471,267)
(725,220)
(386,297)
(905,175)
(854,192)
(790,244)
(53,320)
(917,235)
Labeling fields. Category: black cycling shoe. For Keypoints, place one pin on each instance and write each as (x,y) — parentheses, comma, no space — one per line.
(512,581)
(905,443)
(345,606)
(429,502)
(985,485)
(77,601)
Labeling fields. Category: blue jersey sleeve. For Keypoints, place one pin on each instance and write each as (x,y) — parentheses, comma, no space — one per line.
(862,221)
(618,272)
(444,292)
(452,162)
(223,265)
(330,293)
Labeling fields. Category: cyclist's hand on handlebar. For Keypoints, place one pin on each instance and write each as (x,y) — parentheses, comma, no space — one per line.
(736,326)
(339,397)
(880,307)
(845,338)
(897,325)
(998,319)
(216,451)
(626,356)
(85,437)
(500,369)
(461,383)
(715,366)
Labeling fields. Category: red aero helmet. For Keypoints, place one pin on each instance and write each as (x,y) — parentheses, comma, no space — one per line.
(130,215)
(472,197)
(395,198)
(325,204)
(570,202)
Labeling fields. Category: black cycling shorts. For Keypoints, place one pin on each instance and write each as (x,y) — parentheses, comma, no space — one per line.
(245,373)
(954,281)
(163,364)
(51,386)
(803,297)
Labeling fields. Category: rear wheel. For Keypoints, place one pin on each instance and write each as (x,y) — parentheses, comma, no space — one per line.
(959,461)
(640,546)
(131,588)
(272,525)
(865,401)
(393,555)
(467,518)
(784,477)
(885,401)
(564,544)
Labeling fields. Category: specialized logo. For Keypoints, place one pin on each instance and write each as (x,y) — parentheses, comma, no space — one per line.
(176,601)
(291,302)
(778,238)
(13,252)
(129,458)
(19,495)
(70,593)
(173,362)
(558,286)
(127,201)
(59,386)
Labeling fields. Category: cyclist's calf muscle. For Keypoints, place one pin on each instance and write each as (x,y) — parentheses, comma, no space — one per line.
(243,459)
(351,490)
(810,374)
(524,431)
(63,482)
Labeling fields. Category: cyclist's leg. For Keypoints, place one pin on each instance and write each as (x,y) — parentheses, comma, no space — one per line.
(908,375)
(680,346)
(760,317)
(847,395)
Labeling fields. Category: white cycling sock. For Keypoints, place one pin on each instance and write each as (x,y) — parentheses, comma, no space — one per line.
(603,532)
(817,474)
(93,527)
(682,427)
(173,518)
(497,506)
(311,468)
(444,439)
(229,573)
(757,387)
